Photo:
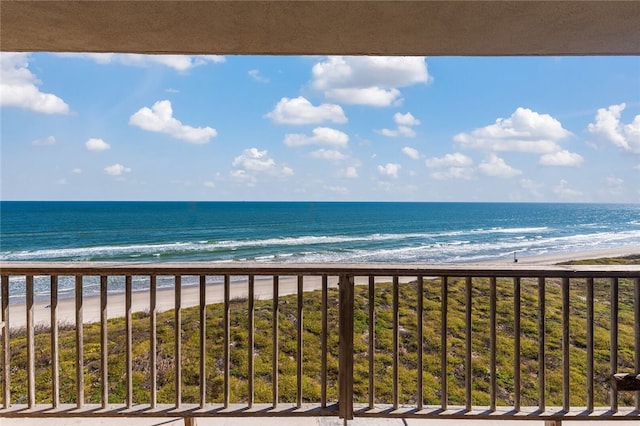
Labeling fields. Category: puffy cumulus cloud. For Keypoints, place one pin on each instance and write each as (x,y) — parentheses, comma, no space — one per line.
(368,80)
(405,123)
(300,111)
(252,161)
(450,160)
(117,170)
(49,140)
(19,87)
(561,158)
(411,152)
(328,154)
(371,96)
(451,166)
(180,63)
(564,192)
(608,127)
(524,131)
(405,119)
(496,167)
(320,136)
(95,144)
(159,118)
(389,170)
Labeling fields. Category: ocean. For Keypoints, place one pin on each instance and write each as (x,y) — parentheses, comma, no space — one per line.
(318,232)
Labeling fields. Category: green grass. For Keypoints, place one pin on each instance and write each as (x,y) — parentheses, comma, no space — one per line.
(383,358)
(624,260)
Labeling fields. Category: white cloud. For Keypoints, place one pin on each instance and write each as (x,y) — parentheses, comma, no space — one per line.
(404,123)
(209,184)
(255,74)
(328,154)
(76,171)
(496,167)
(95,144)
(450,160)
(159,118)
(411,152)
(457,165)
(563,191)
(350,172)
(371,96)
(320,136)
(561,158)
(244,177)
(607,127)
(180,63)
(389,170)
(19,87)
(464,173)
(253,160)
(300,111)
(49,140)
(524,131)
(117,170)
(404,131)
(368,80)
(405,119)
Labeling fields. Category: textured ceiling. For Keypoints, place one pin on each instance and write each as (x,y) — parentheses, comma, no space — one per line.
(323,27)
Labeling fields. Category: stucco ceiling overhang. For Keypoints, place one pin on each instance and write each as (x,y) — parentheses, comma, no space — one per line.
(323,27)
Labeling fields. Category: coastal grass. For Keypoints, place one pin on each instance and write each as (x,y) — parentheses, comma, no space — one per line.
(623,260)
(383,356)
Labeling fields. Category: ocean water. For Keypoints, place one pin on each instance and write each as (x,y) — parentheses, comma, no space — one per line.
(307,231)
(318,232)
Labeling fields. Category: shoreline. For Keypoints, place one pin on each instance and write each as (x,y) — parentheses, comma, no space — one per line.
(190,295)
(555,258)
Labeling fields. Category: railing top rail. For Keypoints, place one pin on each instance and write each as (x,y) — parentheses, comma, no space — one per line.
(331,269)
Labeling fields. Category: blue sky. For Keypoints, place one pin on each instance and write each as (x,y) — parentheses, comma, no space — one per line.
(134,127)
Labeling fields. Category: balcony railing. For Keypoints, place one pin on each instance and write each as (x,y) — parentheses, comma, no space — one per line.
(365,340)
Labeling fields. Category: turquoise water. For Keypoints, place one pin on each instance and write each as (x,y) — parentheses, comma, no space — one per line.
(307,231)
(298,232)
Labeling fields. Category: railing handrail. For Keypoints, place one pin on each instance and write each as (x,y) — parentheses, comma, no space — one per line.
(318,269)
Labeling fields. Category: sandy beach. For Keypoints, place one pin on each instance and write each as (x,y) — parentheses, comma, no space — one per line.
(190,295)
